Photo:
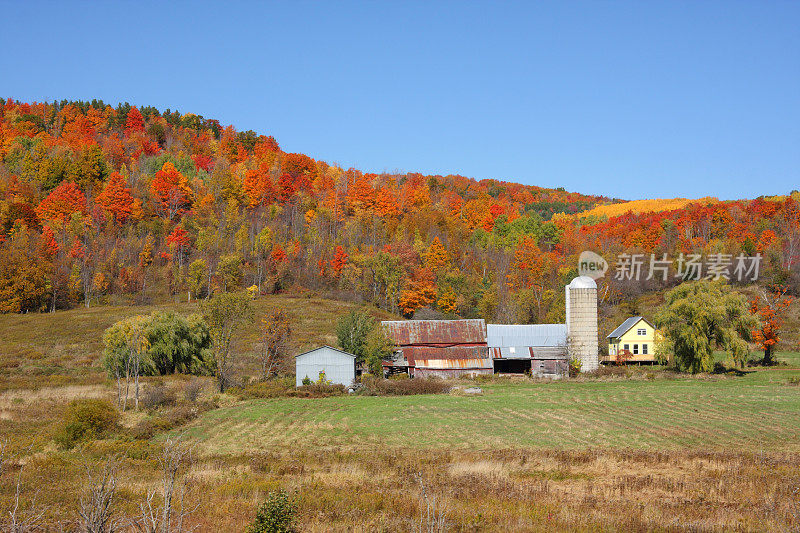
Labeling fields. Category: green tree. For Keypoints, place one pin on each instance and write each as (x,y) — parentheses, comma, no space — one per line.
(125,355)
(196,276)
(276,514)
(379,347)
(700,317)
(230,271)
(352,332)
(178,344)
(90,169)
(225,314)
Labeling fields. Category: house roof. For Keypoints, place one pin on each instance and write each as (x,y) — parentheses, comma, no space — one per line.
(436,332)
(325,346)
(623,328)
(518,335)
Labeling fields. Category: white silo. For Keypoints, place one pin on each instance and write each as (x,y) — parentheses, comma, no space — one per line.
(581,302)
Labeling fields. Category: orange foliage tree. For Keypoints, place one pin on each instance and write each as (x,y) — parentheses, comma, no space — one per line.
(62,201)
(116,198)
(171,189)
(770,308)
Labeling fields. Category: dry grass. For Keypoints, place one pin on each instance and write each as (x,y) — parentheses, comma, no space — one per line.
(486,490)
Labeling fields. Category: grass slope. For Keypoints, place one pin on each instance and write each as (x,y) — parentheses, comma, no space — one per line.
(65,347)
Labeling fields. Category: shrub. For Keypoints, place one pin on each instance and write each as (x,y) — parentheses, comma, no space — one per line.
(375,386)
(307,381)
(272,388)
(318,390)
(574,368)
(276,514)
(87,419)
(157,394)
(192,390)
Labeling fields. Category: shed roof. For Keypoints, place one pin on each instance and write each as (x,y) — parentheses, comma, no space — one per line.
(323,347)
(517,335)
(436,332)
(623,328)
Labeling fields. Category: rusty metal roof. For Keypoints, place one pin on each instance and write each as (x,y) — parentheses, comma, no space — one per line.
(413,354)
(454,364)
(436,332)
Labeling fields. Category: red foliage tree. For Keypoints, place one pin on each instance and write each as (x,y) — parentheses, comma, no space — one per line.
(134,122)
(339,261)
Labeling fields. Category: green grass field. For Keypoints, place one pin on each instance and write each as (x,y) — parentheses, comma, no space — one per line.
(754,411)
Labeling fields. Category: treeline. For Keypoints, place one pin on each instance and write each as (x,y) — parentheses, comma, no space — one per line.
(101,202)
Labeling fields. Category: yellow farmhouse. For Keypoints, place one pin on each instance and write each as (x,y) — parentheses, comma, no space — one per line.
(635,337)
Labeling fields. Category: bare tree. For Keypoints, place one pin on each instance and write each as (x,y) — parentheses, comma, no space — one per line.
(432,517)
(95,512)
(19,519)
(276,331)
(169,515)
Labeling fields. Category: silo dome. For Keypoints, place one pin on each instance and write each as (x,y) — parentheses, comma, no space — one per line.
(583,282)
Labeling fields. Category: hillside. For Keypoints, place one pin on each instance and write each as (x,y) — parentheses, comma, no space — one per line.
(102,204)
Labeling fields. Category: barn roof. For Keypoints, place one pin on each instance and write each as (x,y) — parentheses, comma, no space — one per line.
(415,354)
(626,326)
(436,332)
(322,347)
(519,335)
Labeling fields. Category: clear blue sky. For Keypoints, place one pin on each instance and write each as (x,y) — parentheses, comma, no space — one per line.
(632,99)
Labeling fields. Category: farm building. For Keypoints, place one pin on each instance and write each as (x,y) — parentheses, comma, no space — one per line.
(451,348)
(338,366)
(538,349)
(444,348)
(635,339)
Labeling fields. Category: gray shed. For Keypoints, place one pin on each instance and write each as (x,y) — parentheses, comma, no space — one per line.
(339,366)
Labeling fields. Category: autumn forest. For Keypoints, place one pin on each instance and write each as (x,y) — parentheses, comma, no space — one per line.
(133,205)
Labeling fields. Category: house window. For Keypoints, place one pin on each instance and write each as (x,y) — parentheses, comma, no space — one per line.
(626,347)
(635,349)
(641,331)
(644,349)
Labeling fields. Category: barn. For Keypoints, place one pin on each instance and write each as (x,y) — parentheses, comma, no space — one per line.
(443,348)
(338,366)
(538,349)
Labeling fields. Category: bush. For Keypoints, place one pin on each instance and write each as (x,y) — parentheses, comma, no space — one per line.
(156,395)
(87,419)
(574,368)
(375,386)
(276,514)
(284,387)
(272,388)
(318,390)
(192,390)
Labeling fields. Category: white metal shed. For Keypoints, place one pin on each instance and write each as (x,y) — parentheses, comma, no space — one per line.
(339,366)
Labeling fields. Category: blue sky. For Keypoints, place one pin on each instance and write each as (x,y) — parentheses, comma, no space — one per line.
(628,99)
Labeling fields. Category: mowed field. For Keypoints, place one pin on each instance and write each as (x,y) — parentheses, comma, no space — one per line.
(755,411)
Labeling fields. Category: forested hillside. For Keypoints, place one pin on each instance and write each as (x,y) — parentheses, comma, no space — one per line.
(100,203)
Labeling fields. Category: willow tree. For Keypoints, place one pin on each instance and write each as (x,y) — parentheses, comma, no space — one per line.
(700,317)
